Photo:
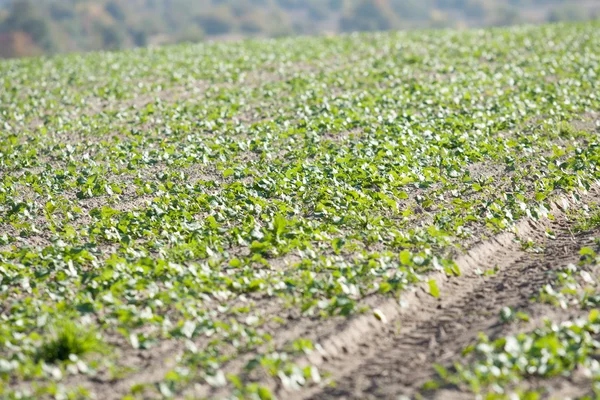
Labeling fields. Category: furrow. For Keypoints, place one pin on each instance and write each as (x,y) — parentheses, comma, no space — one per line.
(366,357)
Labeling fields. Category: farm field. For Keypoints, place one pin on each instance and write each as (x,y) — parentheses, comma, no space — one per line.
(383,215)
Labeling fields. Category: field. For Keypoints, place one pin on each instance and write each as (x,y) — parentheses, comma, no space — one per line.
(364,216)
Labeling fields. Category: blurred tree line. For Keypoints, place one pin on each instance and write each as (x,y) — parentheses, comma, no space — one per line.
(29,27)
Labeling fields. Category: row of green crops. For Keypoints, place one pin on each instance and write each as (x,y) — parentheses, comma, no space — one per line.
(522,365)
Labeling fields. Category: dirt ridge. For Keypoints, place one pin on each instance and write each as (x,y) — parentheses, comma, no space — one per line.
(427,321)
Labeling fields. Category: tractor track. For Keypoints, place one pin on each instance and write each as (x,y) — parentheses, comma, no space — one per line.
(366,358)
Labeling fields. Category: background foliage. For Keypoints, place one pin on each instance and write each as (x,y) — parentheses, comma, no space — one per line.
(30,27)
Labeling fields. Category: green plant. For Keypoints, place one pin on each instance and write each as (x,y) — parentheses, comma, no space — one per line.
(67,339)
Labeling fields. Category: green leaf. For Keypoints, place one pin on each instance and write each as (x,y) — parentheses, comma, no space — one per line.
(433,288)
(586,251)
(441,371)
(264,393)
(403,195)
(116,188)
(212,222)
(338,244)
(405,257)
(380,315)
(280,224)
(540,196)
(259,247)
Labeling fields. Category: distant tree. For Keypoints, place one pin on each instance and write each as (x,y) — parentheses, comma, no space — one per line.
(413,9)
(507,15)
(251,27)
(366,16)
(335,5)
(112,38)
(190,34)
(26,17)
(241,9)
(567,13)
(139,37)
(115,10)
(214,24)
(61,11)
(475,9)
(289,4)
(317,10)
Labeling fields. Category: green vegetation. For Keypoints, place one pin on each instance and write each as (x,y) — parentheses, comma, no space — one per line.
(29,27)
(521,365)
(552,351)
(207,210)
(68,340)
(588,221)
(574,285)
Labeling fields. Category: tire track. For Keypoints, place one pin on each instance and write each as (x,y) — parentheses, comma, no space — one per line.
(370,359)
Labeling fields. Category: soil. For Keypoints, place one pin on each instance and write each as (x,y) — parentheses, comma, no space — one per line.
(366,358)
